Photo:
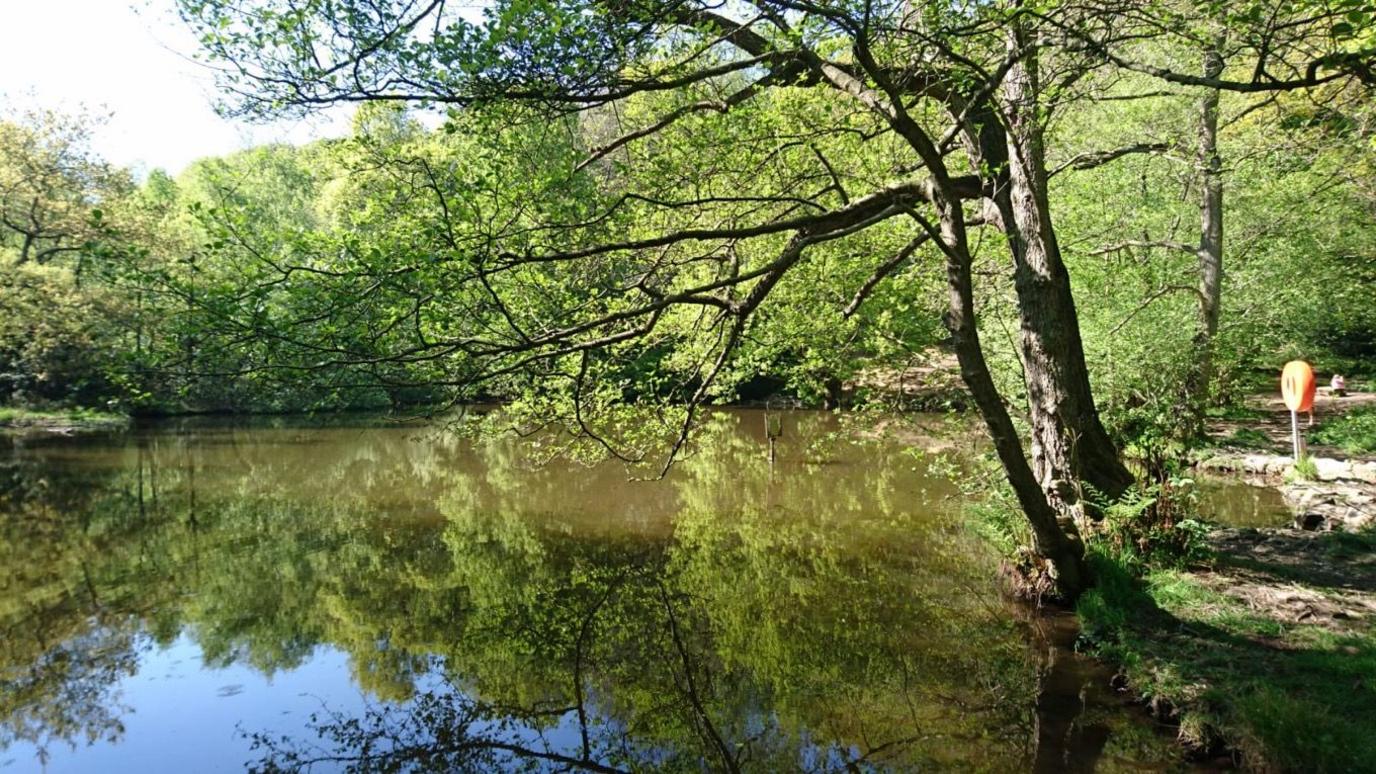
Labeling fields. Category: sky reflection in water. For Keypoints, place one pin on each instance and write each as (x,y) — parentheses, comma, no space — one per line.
(172,594)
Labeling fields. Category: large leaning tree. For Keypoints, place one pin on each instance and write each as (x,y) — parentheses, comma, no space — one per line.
(953,99)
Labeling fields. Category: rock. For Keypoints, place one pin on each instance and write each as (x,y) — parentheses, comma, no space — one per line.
(1341,499)
(1342,506)
(1329,469)
(1364,471)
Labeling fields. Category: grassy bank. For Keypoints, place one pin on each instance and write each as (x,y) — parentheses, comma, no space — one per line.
(1353,432)
(1267,651)
(61,420)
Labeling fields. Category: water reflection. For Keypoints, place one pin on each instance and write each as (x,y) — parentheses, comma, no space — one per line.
(825,613)
(1239,504)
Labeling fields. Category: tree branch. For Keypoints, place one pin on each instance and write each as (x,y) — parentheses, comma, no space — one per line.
(1094,159)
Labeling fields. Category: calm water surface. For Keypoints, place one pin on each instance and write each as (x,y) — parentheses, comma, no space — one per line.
(206,596)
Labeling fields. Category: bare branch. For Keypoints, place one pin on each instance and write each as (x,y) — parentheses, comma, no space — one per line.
(1099,158)
(1164,244)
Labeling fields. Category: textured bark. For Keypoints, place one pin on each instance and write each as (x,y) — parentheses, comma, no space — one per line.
(1053,539)
(1210,237)
(1057,565)
(1070,446)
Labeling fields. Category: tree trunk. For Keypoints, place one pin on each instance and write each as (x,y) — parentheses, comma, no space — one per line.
(1070,446)
(1053,539)
(1210,239)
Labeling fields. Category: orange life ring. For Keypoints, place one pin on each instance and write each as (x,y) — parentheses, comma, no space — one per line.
(1297,386)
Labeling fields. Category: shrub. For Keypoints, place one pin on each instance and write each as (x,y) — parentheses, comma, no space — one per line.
(1354,432)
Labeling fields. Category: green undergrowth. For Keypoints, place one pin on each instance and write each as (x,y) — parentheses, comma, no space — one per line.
(1207,639)
(1347,545)
(1353,432)
(1235,412)
(1246,438)
(1213,649)
(1304,469)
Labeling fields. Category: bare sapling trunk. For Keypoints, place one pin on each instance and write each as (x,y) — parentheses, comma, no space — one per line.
(1210,242)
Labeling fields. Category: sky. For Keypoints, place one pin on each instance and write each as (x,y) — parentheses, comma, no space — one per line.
(130,59)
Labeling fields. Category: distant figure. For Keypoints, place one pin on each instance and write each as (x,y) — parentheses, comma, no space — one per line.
(1338,387)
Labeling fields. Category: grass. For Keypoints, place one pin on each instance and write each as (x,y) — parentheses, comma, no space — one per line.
(1234,411)
(11,416)
(1353,432)
(1347,545)
(1304,469)
(1247,438)
(1280,694)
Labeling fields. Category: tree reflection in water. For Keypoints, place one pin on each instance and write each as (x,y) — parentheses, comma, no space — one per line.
(826,613)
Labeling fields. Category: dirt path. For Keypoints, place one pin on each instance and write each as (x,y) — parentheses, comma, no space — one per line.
(1294,577)
(1272,420)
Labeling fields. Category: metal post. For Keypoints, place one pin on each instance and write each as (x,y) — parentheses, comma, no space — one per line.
(1295,433)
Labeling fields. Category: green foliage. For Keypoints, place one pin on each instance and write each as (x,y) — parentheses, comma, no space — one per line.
(59,342)
(992,507)
(57,198)
(1153,526)
(1304,469)
(322,277)
(1353,432)
(1298,252)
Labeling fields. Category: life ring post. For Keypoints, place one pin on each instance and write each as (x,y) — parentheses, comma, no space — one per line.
(1297,387)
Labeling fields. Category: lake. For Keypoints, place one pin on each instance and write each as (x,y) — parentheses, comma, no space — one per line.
(361,594)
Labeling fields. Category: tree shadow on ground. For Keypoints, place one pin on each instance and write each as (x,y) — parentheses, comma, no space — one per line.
(1274,692)
(1334,560)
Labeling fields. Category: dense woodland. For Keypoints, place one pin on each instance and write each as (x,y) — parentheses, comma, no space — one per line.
(1113,215)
